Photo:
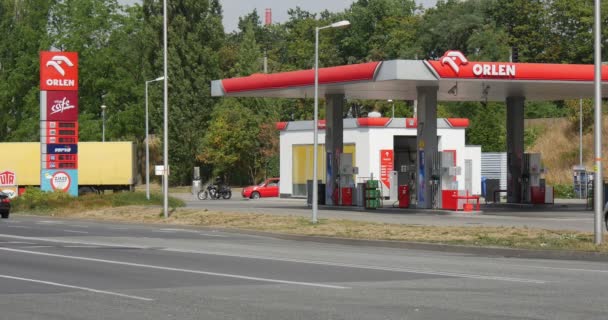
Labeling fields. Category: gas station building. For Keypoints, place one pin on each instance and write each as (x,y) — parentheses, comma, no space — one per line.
(451,78)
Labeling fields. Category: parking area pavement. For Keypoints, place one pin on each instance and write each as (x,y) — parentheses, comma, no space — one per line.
(564,215)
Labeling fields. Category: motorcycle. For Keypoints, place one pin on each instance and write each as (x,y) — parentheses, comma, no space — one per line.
(213,191)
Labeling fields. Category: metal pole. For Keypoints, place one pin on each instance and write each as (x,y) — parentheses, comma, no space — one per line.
(580,133)
(147,149)
(315,125)
(598,201)
(166,118)
(103,124)
(265,62)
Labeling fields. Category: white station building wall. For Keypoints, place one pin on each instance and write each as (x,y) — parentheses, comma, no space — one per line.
(368,142)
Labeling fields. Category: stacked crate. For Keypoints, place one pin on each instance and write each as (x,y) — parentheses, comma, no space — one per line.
(372,194)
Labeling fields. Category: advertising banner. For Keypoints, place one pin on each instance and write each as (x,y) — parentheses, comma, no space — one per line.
(59,181)
(58,71)
(386,166)
(61,148)
(8,183)
(61,106)
(421,177)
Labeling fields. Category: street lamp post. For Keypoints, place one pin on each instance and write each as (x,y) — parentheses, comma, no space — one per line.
(166,118)
(315,164)
(103,123)
(597,189)
(148,141)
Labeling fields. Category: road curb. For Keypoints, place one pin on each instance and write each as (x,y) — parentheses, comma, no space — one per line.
(481,251)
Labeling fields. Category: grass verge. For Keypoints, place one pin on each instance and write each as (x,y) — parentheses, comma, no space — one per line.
(34,201)
(508,237)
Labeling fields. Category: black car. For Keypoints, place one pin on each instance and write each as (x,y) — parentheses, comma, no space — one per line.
(5,205)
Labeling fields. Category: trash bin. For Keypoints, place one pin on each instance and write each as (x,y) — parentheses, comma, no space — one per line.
(320,192)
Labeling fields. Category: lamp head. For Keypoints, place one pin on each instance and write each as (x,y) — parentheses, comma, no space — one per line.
(159,78)
(340,24)
(103,107)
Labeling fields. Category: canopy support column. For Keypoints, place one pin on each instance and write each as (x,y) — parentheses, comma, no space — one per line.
(427,145)
(334,143)
(515,148)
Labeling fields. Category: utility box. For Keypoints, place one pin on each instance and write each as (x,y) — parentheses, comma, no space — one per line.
(404,196)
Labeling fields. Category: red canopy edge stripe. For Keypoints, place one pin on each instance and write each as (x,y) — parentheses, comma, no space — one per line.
(411,122)
(453,122)
(348,73)
(281,125)
(458,122)
(373,122)
(524,71)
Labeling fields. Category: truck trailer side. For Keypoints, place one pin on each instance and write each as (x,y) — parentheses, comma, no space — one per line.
(101,165)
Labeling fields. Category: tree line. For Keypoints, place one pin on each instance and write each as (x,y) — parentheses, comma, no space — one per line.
(120,47)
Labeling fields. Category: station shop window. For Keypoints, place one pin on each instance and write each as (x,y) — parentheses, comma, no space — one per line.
(302,165)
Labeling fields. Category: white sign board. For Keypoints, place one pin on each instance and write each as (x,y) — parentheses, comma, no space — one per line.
(8,183)
(160,170)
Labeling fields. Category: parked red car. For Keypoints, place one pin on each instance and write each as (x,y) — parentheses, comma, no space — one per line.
(268,188)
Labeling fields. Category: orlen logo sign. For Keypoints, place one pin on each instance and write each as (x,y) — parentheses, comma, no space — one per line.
(459,65)
(7,178)
(58,70)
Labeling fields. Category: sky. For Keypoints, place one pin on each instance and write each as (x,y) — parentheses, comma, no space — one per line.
(233,9)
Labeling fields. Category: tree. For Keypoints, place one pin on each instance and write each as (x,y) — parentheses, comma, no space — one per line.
(23,29)
(196,35)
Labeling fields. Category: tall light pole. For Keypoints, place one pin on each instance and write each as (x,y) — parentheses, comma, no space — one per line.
(166,118)
(103,123)
(315,162)
(148,141)
(597,189)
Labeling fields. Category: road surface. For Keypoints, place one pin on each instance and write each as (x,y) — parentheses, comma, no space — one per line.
(74,269)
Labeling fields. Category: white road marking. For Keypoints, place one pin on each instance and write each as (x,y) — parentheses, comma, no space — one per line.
(77,226)
(74,231)
(418,271)
(71,241)
(212,235)
(37,247)
(217,274)
(346,265)
(170,230)
(49,222)
(18,242)
(21,227)
(76,287)
(83,246)
(558,268)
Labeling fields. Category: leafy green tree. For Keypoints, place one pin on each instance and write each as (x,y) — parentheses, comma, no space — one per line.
(23,28)
(196,35)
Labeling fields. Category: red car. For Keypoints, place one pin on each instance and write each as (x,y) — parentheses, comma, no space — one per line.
(268,188)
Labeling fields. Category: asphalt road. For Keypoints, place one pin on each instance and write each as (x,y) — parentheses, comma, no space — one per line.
(558,217)
(74,269)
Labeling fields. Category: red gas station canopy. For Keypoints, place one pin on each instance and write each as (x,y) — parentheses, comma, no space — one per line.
(457,79)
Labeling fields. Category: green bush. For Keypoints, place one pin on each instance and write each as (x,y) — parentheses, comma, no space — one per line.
(564,191)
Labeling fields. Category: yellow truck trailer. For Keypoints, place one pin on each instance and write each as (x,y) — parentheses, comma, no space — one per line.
(101,165)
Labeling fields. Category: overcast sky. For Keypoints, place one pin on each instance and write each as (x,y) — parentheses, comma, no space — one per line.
(233,9)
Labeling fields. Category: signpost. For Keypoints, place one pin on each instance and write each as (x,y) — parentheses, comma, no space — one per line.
(59,121)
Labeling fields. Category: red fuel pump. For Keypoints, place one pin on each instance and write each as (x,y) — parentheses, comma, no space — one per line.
(404,196)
